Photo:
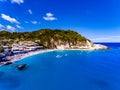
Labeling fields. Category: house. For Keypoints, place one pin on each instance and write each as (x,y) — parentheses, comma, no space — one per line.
(25,46)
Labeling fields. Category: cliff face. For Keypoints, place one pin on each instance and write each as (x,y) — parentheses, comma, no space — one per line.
(52,39)
(68,44)
(78,45)
(55,38)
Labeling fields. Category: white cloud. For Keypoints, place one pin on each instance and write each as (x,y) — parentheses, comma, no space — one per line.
(30,11)
(3,0)
(8,18)
(97,39)
(34,22)
(49,17)
(17,1)
(19,27)
(107,39)
(8,27)
(116,36)
(2,27)
(49,14)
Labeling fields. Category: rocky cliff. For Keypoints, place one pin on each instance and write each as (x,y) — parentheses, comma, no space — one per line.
(66,39)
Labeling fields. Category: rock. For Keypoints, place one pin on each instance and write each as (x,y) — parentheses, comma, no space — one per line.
(8,63)
(100,47)
(88,45)
(21,67)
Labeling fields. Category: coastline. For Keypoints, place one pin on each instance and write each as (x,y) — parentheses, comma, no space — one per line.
(31,53)
(22,56)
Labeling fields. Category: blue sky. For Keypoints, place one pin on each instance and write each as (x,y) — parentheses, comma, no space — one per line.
(98,20)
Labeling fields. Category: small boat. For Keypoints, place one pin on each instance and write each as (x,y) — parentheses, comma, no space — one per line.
(21,67)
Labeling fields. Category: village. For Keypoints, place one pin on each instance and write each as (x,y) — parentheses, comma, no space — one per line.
(19,49)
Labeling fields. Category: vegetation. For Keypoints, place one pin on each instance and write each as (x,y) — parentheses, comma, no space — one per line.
(1,49)
(48,37)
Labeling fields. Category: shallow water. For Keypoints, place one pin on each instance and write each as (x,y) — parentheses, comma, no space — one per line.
(65,70)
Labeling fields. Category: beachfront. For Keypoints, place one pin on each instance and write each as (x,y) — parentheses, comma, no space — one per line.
(17,57)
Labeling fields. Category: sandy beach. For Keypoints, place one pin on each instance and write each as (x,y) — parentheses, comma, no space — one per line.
(22,56)
(31,53)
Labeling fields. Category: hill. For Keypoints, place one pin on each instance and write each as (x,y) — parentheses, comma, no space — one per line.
(46,37)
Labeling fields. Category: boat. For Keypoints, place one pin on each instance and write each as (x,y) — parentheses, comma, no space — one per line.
(21,67)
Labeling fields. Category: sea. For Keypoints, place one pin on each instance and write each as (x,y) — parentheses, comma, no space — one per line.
(65,70)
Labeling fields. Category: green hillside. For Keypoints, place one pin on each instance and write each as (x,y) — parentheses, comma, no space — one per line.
(47,37)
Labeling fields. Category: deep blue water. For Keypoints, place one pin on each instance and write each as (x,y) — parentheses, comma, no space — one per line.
(70,70)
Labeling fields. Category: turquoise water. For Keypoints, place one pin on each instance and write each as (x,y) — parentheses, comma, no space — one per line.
(65,70)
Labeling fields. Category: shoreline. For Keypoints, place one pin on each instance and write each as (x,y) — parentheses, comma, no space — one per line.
(32,53)
(18,57)
(22,56)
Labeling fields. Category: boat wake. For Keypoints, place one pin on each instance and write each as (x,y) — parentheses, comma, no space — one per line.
(58,56)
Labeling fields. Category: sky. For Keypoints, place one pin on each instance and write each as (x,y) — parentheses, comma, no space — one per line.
(98,20)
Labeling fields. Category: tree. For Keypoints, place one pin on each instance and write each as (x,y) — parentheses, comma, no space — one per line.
(47,37)
(1,49)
